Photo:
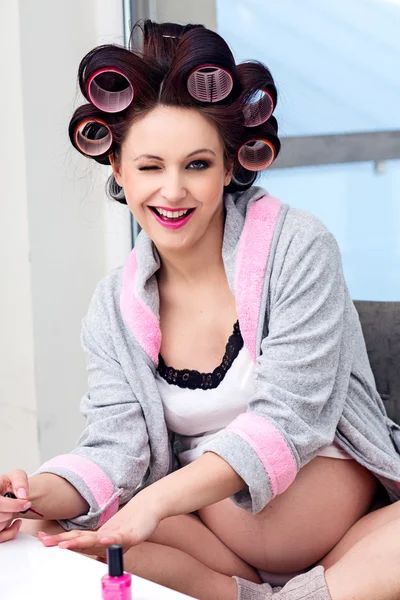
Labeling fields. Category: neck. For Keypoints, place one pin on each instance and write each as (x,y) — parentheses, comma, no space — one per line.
(200,263)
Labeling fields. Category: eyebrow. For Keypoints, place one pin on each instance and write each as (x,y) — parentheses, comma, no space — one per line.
(152,156)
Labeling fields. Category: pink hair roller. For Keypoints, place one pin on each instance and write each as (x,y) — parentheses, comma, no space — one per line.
(256,155)
(259,109)
(209,83)
(93,147)
(110,94)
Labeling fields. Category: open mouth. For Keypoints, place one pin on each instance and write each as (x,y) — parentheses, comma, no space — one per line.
(172,217)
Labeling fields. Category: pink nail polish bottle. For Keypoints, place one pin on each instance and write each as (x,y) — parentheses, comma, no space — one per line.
(117,584)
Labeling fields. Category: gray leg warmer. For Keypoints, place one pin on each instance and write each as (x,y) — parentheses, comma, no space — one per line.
(308,586)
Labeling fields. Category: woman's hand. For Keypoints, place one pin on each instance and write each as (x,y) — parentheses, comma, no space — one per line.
(133,524)
(207,480)
(15,482)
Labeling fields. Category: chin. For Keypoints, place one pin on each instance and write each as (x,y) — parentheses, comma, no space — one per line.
(176,245)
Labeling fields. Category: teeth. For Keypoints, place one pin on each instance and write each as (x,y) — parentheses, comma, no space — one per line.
(172,215)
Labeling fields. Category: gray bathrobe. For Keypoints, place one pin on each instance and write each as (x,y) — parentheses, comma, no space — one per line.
(313,379)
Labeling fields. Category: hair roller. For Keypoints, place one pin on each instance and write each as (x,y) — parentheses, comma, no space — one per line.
(256,154)
(110,90)
(259,95)
(93,137)
(260,150)
(111,77)
(258,109)
(91,134)
(203,69)
(209,83)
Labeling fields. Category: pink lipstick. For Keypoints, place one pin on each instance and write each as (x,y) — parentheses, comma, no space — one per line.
(117,584)
(172,222)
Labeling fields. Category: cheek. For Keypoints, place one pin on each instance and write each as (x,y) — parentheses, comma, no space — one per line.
(137,191)
(212,190)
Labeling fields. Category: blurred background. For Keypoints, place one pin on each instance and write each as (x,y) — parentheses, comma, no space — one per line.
(336,67)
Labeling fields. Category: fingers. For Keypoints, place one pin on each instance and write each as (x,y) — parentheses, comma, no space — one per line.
(10,505)
(9,534)
(91,542)
(19,483)
(5,484)
(5,517)
(5,521)
(54,540)
(73,540)
(87,541)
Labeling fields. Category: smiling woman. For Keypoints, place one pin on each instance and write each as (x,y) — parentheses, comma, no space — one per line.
(258,455)
(173,181)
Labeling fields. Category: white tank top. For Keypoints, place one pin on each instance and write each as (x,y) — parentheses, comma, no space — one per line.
(197,416)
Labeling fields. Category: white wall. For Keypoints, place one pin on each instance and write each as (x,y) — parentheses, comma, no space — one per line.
(58,233)
(18,431)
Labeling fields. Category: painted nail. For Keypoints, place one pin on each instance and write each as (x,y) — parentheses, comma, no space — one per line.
(21,493)
(46,538)
(27,505)
(63,544)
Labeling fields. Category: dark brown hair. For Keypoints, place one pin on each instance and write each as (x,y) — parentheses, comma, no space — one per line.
(158,71)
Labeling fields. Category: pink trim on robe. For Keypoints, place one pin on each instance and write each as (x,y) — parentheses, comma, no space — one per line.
(96,480)
(252,260)
(140,319)
(271,448)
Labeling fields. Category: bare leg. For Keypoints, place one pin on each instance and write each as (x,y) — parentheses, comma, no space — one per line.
(370,569)
(185,533)
(164,565)
(188,534)
(365,526)
(179,571)
(366,570)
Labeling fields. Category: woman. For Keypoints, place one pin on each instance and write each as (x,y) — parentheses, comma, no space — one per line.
(263,467)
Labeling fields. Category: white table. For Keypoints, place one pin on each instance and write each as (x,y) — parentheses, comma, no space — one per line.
(29,571)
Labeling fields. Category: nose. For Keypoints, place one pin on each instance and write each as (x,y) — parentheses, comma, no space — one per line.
(173,187)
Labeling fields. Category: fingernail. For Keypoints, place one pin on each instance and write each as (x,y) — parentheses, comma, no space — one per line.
(21,493)
(46,538)
(27,505)
(63,544)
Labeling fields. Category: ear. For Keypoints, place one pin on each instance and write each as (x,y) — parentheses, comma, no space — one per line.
(228,178)
(228,175)
(116,167)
